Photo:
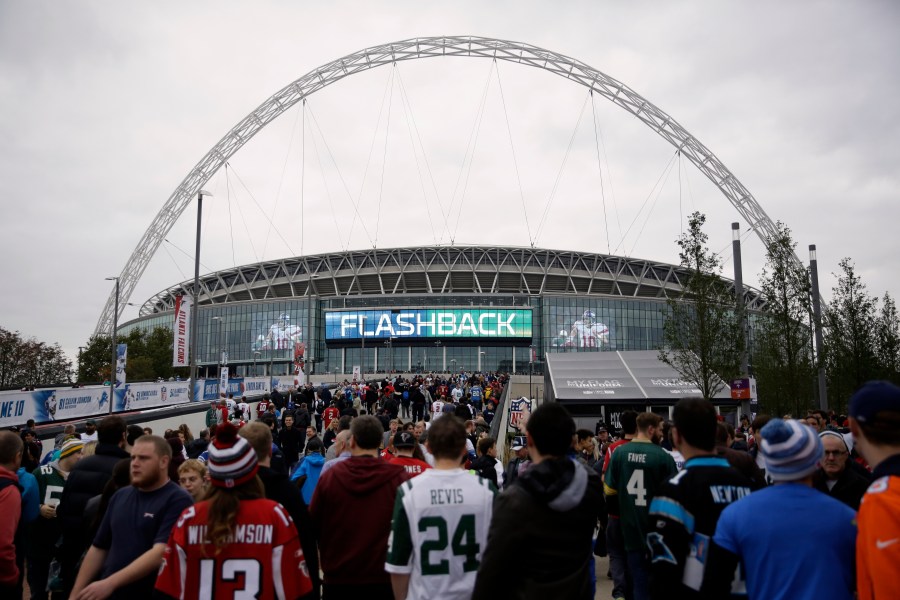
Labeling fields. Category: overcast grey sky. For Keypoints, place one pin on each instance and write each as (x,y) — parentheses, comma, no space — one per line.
(106,106)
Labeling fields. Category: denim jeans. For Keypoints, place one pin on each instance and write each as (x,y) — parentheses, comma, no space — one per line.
(618,562)
(639,566)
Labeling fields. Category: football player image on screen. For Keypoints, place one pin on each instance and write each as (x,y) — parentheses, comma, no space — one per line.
(282,335)
(588,332)
(50,405)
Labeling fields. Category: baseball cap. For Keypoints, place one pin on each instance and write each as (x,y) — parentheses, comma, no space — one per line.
(404,439)
(601,430)
(518,443)
(873,398)
(91,422)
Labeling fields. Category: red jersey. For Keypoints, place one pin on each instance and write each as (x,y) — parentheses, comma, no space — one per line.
(331,413)
(609,452)
(413,466)
(264,561)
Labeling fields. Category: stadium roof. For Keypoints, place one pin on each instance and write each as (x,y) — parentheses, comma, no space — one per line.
(637,377)
(438,270)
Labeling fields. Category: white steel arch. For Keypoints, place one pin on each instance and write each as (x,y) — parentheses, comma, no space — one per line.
(469,46)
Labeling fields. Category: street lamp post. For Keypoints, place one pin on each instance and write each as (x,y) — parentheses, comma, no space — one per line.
(115,355)
(530,370)
(308,334)
(196,295)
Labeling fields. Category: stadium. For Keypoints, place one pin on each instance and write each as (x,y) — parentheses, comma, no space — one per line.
(443,307)
(424,309)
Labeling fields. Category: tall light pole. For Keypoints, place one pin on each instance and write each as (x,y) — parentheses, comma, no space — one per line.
(308,336)
(362,348)
(196,295)
(530,370)
(115,354)
(817,313)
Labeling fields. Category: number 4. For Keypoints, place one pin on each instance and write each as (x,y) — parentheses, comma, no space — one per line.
(636,488)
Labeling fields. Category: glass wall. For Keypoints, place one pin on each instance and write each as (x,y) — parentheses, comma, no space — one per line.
(275,332)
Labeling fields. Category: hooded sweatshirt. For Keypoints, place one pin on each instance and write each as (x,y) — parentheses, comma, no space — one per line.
(353,551)
(540,539)
(312,468)
(11,511)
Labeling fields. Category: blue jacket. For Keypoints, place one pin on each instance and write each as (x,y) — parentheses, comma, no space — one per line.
(311,466)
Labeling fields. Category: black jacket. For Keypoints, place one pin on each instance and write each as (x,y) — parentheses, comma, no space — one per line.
(849,489)
(280,489)
(302,419)
(291,442)
(551,510)
(485,467)
(87,479)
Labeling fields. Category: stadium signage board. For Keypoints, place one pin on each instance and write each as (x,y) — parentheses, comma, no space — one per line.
(424,323)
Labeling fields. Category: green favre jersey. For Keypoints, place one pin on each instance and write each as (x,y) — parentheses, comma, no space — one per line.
(636,473)
(45,532)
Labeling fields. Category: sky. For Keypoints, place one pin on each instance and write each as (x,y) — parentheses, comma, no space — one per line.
(106,106)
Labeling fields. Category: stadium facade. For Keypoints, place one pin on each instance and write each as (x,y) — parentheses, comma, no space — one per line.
(428,308)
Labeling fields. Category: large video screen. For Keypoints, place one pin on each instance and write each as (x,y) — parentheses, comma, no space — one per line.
(423,323)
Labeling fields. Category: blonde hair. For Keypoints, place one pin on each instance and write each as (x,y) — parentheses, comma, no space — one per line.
(192,464)
(89,449)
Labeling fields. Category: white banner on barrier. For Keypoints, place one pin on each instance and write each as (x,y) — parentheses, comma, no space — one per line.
(138,396)
(48,405)
(182,330)
(52,405)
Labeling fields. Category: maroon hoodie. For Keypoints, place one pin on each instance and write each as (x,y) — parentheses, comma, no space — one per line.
(353,549)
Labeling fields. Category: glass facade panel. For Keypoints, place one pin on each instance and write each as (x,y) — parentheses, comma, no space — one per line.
(276,331)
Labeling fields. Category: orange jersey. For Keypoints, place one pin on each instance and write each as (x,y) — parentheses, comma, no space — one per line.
(878,541)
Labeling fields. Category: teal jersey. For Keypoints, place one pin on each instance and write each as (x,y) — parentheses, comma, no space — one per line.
(636,474)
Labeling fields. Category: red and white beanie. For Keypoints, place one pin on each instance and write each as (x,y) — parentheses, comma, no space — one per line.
(232,461)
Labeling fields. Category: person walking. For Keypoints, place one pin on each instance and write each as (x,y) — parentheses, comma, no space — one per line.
(809,566)
(361,485)
(875,424)
(236,543)
(684,513)
(440,504)
(542,524)
(636,473)
(125,555)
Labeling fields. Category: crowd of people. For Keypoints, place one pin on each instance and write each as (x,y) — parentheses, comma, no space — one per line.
(394,489)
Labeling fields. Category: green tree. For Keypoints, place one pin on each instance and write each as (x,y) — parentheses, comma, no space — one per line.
(702,335)
(850,341)
(887,340)
(782,354)
(149,356)
(30,363)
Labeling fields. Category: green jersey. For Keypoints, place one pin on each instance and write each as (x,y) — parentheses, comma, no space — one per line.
(44,533)
(636,473)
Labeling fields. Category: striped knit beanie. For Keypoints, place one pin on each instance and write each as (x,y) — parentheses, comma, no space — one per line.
(792,450)
(70,447)
(232,462)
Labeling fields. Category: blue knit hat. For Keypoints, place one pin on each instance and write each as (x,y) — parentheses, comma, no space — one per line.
(792,450)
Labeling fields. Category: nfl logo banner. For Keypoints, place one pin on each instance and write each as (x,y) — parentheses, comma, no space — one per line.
(182,330)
